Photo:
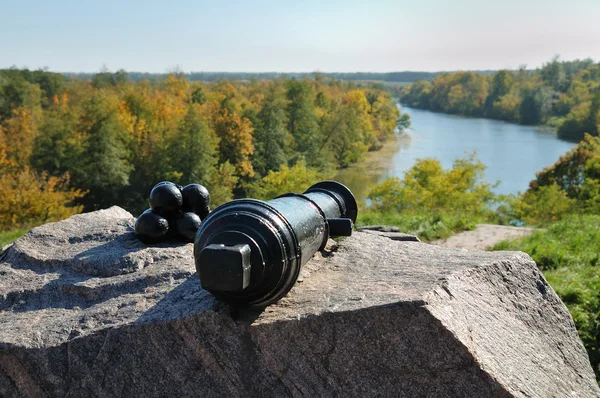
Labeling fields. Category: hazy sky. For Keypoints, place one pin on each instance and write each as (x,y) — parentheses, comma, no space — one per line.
(305,36)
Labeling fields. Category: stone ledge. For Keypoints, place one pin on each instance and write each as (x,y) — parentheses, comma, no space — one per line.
(371,316)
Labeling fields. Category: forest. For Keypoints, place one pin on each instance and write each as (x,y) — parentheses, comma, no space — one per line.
(78,144)
(69,145)
(397,77)
(565,95)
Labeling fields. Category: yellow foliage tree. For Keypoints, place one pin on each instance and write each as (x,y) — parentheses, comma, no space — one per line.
(235,135)
(384,114)
(29,199)
(20,130)
(288,179)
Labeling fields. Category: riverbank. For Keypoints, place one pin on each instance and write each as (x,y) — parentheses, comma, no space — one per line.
(560,94)
(512,153)
(359,177)
(551,125)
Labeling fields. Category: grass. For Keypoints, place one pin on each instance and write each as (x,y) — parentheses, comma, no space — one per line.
(568,254)
(574,241)
(10,236)
(427,227)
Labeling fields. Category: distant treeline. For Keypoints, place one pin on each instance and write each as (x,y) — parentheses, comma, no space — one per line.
(107,140)
(562,94)
(405,77)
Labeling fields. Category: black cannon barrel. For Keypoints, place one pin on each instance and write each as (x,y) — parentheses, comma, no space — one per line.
(249,252)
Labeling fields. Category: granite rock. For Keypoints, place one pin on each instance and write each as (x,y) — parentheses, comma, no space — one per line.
(89,310)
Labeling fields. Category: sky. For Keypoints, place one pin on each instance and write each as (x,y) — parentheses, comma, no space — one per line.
(295,36)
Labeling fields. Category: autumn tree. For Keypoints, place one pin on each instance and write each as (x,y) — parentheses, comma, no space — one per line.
(349,133)
(21,130)
(385,115)
(235,135)
(572,170)
(112,139)
(28,198)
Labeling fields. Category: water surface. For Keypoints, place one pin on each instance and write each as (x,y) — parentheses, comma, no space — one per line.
(511,152)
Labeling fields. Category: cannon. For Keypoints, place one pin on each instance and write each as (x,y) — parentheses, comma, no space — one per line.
(249,252)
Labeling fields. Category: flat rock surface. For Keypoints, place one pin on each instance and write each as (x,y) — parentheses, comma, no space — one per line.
(484,237)
(88,310)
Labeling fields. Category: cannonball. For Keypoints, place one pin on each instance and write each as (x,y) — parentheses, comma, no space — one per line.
(196,199)
(166,198)
(151,227)
(169,183)
(186,226)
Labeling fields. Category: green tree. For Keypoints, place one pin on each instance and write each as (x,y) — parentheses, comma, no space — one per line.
(502,84)
(418,94)
(270,135)
(106,78)
(403,122)
(57,148)
(560,94)
(302,121)
(192,150)
(536,105)
(507,107)
(583,118)
(221,184)
(553,73)
(198,95)
(103,167)
(16,92)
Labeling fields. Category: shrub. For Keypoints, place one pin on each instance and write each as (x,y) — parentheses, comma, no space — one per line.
(288,179)
(427,188)
(546,204)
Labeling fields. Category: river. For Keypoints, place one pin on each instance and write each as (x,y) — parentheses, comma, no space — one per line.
(511,152)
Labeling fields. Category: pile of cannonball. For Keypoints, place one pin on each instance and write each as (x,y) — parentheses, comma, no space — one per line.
(175,212)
